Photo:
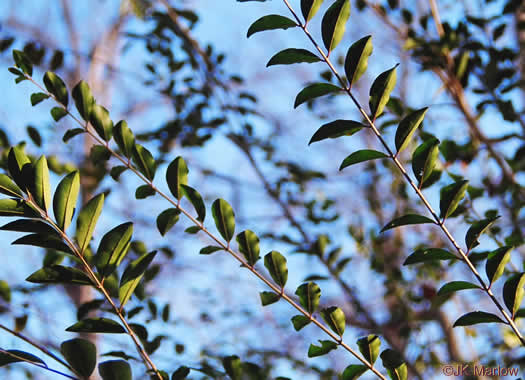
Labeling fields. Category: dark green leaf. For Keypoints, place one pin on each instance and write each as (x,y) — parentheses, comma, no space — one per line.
(115,370)
(44,241)
(313,91)
(58,274)
(41,188)
(97,325)
(177,175)
(65,199)
(335,319)
(181,373)
(326,347)
(116,171)
(496,262)
(16,356)
(124,138)
(86,221)
(513,292)
(144,191)
(19,166)
(309,295)
(424,159)
(58,113)
(299,321)
(406,220)
(334,23)
(233,367)
(451,195)
(249,246)
(144,161)
(407,127)
(81,354)
(353,372)
(270,22)
(12,207)
(132,276)
(34,135)
(309,8)
(291,56)
(99,154)
(5,291)
(101,122)
(475,231)
(392,361)
(455,286)
(113,247)
(335,129)
(70,133)
(267,298)
(208,250)
(380,91)
(429,254)
(224,218)
(196,200)
(38,97)
(8,187)
(361,156)
(193,230)
(369,347)
(23,62)
(476,317)
(167,219)
(56,86)
(276,265)
(83,98)
(356,61)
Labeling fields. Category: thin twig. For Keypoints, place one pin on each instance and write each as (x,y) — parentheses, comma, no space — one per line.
(37,364)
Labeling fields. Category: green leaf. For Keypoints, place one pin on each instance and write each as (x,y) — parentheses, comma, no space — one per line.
(113,247)
(392,361)
(196,200)
(353,371)
(369,347)
(70,133)
(406,220)
(177,175)
(99,154)
(361,156)
(313,91)
(34,135)
(19,166)
(41,188)
(81,355)
(124,138)
(87,220)
(309,8)
(208,250)
(451,195)
(309,295)
(424,159)
(336,129)
(5,291)
(380,91)
(428,254)
(291,56)
(97,325)
(115,370)
(335,319)
(56,86)
(496,262)
(300,321)
(407,127)
(267,298)
(144,160)
(12,207)
(193,230)
(167,219)
(58,113)
(475,231)
(101,122)
(144,191)
(83,98)
(65,199)
(356,61)
(513,292)
(276,265)
(233,367)
(44,241)
(29,225)
(475,317)
(8,187)
(326,347)
(270,22)
(455,286)
(58,274)
(249,246)
(23,62)
(116,171)
(38,97)
(334,23)
(181,373)
(132,276)
(18,356)
(224,218)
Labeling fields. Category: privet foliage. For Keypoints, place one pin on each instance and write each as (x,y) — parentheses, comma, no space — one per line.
(46,216)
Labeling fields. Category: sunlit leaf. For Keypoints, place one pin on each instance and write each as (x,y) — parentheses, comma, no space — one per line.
(144,161)
(113,247)
(83,98)
(249,246)
(335,319)
(101,122)
(356,61)
(496,262)
(407,127)
(124,138)
(513,292)
(233,367)
(334,23)
(8,187)
(309,8)
(309,295)
(326,347)
(132,276)
(353,371)
(393,362)
(224,218)
(177,175)
(65,199)
(381,90)
(424,159)
(56,86)
(451,195)
(369,347)
(87,220)
(300,321)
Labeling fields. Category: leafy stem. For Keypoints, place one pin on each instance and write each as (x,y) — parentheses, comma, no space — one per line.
(39,365)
